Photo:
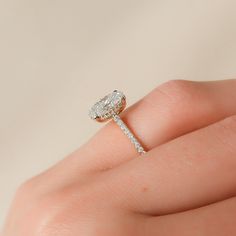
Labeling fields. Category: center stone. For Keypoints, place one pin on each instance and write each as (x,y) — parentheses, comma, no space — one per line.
(109,105)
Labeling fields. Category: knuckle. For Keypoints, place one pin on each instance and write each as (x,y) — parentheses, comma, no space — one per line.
(59,211)
(176,94)
(178,89)
(49,213)
(175,98)
(52,214)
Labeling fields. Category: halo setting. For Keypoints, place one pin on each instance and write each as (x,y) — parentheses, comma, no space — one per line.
(110,105)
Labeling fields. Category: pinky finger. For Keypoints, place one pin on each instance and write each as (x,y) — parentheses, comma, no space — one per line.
(218,219)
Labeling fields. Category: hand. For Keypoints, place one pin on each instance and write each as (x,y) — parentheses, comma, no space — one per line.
(184,185)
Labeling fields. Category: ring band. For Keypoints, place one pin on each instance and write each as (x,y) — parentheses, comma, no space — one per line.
(109,107)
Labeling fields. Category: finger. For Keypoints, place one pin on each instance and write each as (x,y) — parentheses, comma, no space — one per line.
(169,111)
(191,171)
(217,219)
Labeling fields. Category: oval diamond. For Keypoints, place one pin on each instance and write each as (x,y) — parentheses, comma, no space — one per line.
(105,108)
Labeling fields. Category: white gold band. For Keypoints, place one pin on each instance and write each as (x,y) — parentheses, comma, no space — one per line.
(128,133)
(109,107)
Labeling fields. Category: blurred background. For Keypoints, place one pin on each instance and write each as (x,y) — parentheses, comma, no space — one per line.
(58,57)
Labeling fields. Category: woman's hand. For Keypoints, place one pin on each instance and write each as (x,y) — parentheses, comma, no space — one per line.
(184,185)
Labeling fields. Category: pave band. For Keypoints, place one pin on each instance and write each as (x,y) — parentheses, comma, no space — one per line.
(109,107)
(129,134)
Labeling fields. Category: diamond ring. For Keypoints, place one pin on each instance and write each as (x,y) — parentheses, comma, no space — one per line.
(109,107)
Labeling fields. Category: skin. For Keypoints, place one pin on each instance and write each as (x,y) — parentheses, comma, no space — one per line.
(184,185)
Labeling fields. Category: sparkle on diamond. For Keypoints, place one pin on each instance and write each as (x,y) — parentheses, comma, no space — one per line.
(108,106)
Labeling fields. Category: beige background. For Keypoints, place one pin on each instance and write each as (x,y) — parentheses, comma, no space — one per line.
(57,57)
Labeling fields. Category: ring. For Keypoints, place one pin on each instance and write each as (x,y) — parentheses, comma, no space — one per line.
(109,107)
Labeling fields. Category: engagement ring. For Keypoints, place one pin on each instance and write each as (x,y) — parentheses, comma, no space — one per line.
(110,107)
